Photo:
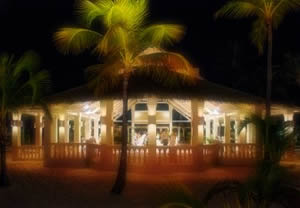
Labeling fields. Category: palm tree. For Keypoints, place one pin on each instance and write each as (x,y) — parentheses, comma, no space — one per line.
(21,83)
(268,16)
(117,30)
(281,138)
(271,185)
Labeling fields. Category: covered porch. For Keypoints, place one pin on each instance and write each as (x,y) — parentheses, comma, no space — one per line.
(164,134)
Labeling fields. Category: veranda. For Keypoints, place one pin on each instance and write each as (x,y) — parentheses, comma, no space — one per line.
(196,133)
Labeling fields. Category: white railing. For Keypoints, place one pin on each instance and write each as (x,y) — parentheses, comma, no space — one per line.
(68,151)
(106,156)
(237,153)
(28,152)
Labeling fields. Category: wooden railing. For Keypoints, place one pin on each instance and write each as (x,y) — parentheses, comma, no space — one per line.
(28,152)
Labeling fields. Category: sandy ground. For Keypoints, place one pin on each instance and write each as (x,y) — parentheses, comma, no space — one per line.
(36,186)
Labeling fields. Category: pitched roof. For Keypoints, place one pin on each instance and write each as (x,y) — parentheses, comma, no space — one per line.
(140,87)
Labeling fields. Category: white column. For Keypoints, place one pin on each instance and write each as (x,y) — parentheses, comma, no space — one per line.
(77,128)
(16,129)
(106,109)
(197,121)
(96,128)
(215,127)
(227,129)
(243,133)
(250,133)
(171,119)
(132,122)
(87,128)
(67,129)
(38,129)
(152,102)
(62,128)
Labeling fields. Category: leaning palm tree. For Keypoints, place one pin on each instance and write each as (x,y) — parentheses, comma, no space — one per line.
(21,83)
(117,30)
(268,16)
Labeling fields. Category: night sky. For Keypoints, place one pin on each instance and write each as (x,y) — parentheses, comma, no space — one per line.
(220,48)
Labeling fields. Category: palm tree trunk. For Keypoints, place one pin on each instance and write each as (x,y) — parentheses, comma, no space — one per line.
(269,87)
(3,172)
(121,175)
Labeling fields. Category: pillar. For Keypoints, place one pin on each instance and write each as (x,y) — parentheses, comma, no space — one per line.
(62,128)
(236,129)
(96,129)
(38,129)
(132,123)
(227,129)
(243,133)
(215,127)
(197,121)
(16,129)
(88,126)
(171,119)
(152,102)
(77,128)
(106,110)
(67,129)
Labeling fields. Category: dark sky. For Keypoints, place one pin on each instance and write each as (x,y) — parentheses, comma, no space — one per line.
(209,44)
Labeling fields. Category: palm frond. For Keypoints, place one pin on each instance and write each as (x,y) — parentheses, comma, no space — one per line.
(75,40)
(104,76)
(130,14)
(259,34)
(162,34)
(30,62)
(281,8)
(21,84)
(89,11)
(259,124)
(239,9)
(229,187)
(167,67)
(115,39)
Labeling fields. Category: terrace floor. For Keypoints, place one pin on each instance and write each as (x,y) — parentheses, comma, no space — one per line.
(36,186)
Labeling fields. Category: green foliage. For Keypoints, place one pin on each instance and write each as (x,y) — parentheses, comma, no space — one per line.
(265,11)
(270,185)
(281,136)
(122,40)
(75,40)
(20,82)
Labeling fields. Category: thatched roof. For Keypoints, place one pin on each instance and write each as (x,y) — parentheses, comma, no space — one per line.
(140,87)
